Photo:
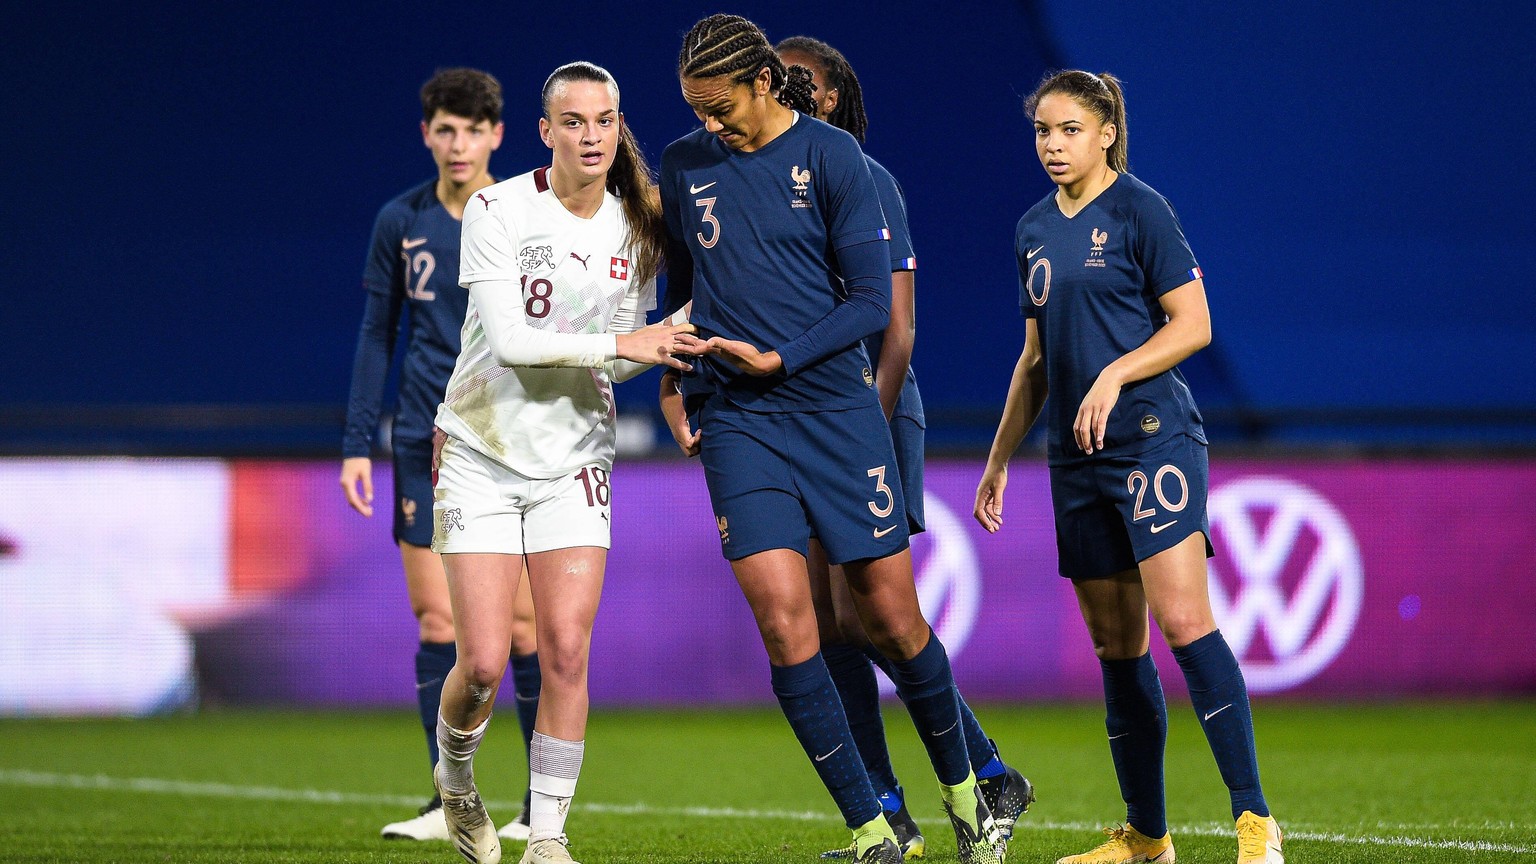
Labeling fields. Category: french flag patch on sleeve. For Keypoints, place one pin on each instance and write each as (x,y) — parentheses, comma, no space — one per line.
(1196,273)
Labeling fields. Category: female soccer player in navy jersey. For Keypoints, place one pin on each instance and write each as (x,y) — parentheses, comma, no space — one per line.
(413,263)
(561,267)
(839,100)
(1113,300)
(778,238)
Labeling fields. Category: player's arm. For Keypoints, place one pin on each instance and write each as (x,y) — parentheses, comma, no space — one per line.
(488,269)
(383,281)
(1187,331)
(900,335)
(1026,396)
(627,322)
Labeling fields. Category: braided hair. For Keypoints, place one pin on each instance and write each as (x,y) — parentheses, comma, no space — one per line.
(733,46)
(836,74)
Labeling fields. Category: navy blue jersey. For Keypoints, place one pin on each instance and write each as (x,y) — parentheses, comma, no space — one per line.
(1092,284)
(909,404)
(413,262)
(763,231)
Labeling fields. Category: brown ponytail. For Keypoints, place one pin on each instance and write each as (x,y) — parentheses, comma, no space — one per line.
(1100,94)
(629,179)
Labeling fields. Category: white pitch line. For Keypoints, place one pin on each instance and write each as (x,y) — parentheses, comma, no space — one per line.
(155,785)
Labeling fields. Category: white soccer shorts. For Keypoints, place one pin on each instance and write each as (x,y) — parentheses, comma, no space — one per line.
(480,505)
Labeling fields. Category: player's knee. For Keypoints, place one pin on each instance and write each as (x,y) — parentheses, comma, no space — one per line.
(481,670)
(899,641)
(1180,630)
(434,625)
(563,662)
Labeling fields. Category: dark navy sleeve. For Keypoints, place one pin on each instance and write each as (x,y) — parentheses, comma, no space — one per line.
(894,205)
(856,229)
(1027,308)
(1161,250)
(679,259)
(376,335)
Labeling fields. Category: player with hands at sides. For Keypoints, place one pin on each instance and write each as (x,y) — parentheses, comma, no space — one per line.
(561,267)
(1113,300)
(413,273)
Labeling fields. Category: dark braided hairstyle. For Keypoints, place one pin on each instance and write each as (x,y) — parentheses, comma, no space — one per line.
(629,179)
(1100,94)
(731,45)
(837,75)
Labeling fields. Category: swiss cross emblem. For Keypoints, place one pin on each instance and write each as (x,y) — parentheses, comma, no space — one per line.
(618,268)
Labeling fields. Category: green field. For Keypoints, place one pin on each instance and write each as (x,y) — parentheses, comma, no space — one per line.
(1433,782)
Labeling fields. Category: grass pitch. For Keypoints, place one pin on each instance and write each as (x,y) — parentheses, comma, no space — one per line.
(1437,782)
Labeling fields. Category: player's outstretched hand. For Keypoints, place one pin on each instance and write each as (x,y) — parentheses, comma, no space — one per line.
(745,356)
(655,344)
(358,470)
(989,498)
(677,418)
(1093,414)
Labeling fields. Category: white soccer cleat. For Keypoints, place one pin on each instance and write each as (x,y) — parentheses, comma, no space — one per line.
(550,851)
(427,824)
(469,826)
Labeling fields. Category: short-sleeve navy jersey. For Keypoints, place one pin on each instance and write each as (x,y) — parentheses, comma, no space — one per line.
(909,404)
(762,229)
(413,263)
(1092,283)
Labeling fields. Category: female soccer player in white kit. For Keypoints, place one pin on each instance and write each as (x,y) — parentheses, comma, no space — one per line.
(560,264)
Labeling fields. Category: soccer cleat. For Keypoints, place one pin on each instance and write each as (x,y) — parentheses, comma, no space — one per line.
(1126,845)
(517,829)
(976,838)
(1008,795)
(909,838)
(885,853)
(469,827)
(427,824)
(554,850)
(1258,839)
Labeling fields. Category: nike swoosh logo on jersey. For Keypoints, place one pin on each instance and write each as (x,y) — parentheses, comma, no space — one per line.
(694,190)
(1033,252)
(1218,711)
(881,532)
(1158,528)
(828,754)
(408,243)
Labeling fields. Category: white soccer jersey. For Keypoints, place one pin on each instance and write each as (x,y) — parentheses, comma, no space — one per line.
(560,274)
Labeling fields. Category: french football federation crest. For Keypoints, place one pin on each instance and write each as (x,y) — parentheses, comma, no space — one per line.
(1098,238)
(536,257)
(802,178)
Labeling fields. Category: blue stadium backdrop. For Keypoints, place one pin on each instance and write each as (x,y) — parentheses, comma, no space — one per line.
(189,190)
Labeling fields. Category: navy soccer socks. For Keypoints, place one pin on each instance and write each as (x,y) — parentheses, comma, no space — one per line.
(814,711)
(526,681)
(854,678)
(1136,719)
(1220,698)
(434,660)
(927,687)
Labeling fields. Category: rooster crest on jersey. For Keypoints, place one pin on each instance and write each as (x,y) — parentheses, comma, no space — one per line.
(1098,237)
(536,257)
(802,178)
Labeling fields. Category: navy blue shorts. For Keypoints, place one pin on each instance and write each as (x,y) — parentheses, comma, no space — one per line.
(907,438)
(1113,513)
(413,491)
(776,479)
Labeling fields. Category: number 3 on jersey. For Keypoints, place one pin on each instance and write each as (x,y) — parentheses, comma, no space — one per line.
(709,219)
